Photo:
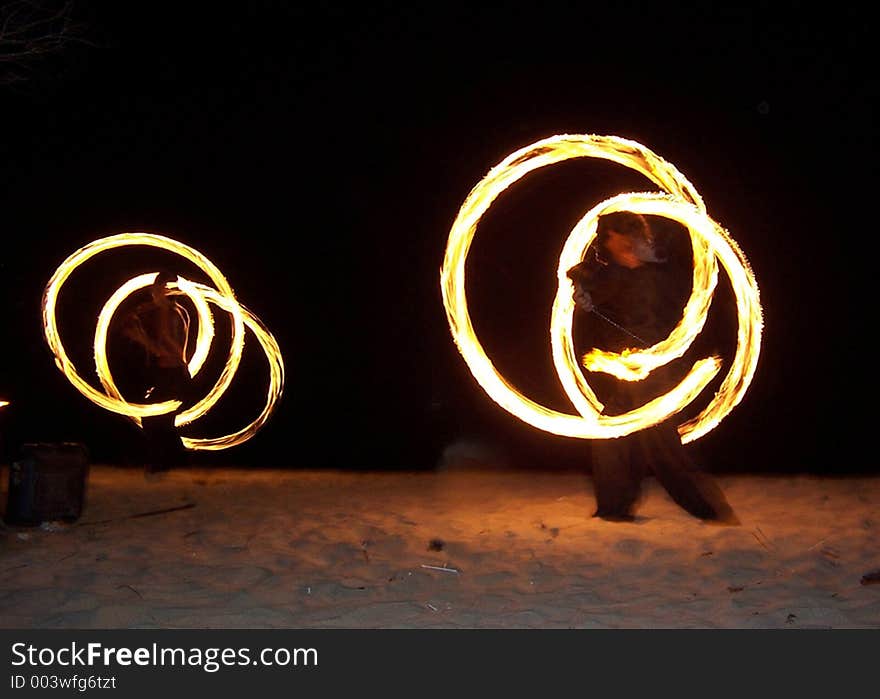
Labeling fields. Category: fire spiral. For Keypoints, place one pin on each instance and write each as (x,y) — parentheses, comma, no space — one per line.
(678,200)
(201,295)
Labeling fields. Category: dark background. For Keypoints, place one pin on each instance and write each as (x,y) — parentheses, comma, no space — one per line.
(318,154)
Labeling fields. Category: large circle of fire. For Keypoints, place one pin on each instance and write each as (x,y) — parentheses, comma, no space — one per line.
(679,201)
(200,295)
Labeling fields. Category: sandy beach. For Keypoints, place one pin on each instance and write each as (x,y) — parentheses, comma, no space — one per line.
(453,548)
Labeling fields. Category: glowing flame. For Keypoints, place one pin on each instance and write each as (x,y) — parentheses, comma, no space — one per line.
(711,244)
(200,295)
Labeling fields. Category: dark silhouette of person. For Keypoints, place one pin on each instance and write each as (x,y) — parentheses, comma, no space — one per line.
(159,326)
(638,298)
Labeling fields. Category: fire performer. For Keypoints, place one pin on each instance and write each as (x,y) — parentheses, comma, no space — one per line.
(160,327)
(634,299)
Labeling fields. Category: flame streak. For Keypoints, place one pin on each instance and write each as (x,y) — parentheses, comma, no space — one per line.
(679,201)
(200,295)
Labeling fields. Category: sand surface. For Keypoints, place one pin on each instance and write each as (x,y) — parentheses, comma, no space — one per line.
(442,549)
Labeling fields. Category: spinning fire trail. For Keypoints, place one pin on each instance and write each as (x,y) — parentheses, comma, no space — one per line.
(679,201)
(200,295)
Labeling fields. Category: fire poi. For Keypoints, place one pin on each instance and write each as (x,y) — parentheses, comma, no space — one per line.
(712,244)
(201,296)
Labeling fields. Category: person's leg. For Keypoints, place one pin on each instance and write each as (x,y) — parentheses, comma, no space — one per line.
(159,440)
(164,446)
(183,391)
(616,478)
(694,491)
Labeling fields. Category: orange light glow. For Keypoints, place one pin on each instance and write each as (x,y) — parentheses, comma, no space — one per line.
(679,201)
(200,295)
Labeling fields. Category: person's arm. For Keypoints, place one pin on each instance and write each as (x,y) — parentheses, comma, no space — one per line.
(133,329)
(590,288)
(170,342)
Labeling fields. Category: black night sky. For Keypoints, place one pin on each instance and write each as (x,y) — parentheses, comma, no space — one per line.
(318,154)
